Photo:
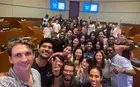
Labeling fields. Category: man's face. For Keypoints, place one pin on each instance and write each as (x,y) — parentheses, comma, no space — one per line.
(68,73)
(111,40)
(69,33)
(62,35)
(75,31)
(89,46)
(22,57)
(110,52)
(84,30)
(46,50)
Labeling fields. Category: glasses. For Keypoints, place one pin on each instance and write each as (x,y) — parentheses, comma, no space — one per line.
(70,71)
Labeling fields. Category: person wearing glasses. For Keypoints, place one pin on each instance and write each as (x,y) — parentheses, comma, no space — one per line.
(67,78)
(21,56)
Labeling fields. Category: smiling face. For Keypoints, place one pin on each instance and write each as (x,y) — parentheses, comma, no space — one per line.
(82,39)
(111,41)
(89,46)
(78,54)
(84,64)
(75,42)
(99,57)
(98,45)
(46,50)
(95,78)
(68,73)
(22,57)
(67,50)
(110,52)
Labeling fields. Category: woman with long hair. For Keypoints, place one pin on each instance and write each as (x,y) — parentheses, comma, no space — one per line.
(95,77)
(100,61)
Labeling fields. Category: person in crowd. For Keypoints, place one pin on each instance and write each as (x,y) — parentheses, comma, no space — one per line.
(118,48)
(67,53)
(67,78)
(98,25)
(58,60)
(75,43)
(82,73)
(82,41)
(61,41)
(47,31)
(68,37)
(77,57)
(88,49)
(95,77)
(56,26)
(101,37)
(45,20)
(108,30)
(21,56)
(92,36)
(122,70)
(115,30)
(84,32)
(75,32)
(98,45)
(91,27)
(121,39)
(100,61)
(41,63)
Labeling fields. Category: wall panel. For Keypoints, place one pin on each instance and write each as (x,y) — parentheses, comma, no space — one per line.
(28,12)
(6,11)
(34,3)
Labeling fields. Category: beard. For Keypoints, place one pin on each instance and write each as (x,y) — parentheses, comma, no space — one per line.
(67,77)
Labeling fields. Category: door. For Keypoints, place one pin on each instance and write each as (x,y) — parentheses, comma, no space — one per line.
(73,9)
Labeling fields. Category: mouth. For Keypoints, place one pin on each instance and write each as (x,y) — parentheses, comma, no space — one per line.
(93,83)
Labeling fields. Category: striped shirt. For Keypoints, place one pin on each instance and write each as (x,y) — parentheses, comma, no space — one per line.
(11,80)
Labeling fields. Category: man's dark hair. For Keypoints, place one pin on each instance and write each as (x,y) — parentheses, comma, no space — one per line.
(46,40)
(68,63)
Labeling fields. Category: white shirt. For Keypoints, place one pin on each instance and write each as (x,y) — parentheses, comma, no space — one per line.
(115,31)
(56,27)
(91,28)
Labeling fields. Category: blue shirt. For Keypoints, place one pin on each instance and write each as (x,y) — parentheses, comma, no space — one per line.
(121,80)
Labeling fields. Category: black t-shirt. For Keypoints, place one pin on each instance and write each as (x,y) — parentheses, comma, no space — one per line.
(46,74)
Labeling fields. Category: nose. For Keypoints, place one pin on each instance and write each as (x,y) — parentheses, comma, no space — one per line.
(24,58)
(93,78)
(46,49)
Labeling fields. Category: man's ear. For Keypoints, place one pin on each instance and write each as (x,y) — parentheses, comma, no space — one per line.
(10,59)
(38,46)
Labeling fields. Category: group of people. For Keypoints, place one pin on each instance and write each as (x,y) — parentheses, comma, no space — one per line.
(75,54)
